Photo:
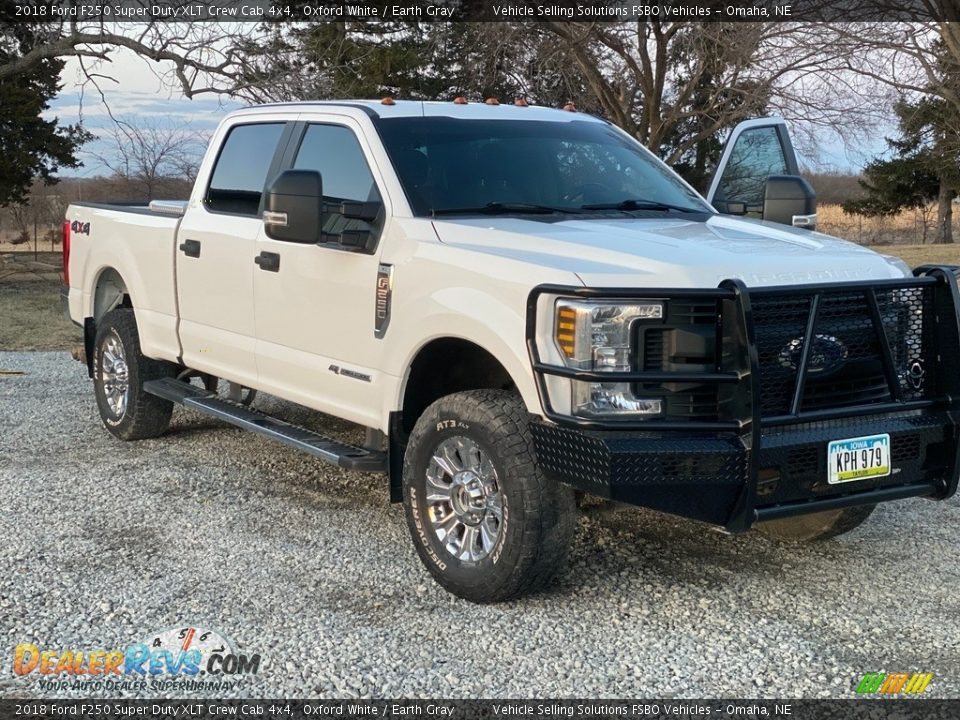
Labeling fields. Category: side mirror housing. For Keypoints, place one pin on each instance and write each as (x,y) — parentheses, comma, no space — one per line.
(790,200)
(294,207)
(296,212)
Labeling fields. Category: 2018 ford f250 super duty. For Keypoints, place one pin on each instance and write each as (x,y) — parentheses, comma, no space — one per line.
(519,303)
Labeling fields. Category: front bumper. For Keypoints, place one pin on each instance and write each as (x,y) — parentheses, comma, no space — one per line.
(717,478)
(763,454)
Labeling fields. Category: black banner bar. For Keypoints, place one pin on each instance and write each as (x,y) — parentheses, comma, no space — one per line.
(87,11)
(872,709)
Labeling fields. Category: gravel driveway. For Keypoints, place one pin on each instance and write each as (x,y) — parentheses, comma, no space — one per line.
(103,543)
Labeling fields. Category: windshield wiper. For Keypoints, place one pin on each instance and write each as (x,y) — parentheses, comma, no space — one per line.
(497,208)
(640,205)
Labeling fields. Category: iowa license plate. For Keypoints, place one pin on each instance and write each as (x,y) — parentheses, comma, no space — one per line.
(858,458)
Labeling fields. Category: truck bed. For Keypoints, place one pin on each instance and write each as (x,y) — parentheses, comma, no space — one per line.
(139,244)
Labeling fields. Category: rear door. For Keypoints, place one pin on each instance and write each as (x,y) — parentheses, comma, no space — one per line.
(215,250)
(755,150)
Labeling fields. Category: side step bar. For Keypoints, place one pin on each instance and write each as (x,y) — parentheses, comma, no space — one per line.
(338,453)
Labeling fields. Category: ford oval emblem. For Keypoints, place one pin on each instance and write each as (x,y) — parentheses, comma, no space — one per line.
(827,355)
(915,374)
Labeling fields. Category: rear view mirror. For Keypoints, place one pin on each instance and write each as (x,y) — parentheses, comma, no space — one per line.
(789,200)
(294,208)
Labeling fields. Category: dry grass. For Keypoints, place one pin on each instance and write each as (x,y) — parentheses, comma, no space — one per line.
(915,255)
(30,313)
(908,228)
(48,240)
(901,235)
(32,318)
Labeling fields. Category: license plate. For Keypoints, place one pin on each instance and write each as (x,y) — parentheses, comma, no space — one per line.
(858,459)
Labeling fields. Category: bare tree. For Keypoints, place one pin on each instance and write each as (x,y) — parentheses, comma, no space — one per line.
(195,58)
(152,159)
(920,62)
(652,77)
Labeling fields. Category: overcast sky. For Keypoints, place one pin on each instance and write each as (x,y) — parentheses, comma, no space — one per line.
(136,92)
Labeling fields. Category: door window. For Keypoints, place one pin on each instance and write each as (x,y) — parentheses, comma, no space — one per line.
(333,151)
(238,178)
(756,155)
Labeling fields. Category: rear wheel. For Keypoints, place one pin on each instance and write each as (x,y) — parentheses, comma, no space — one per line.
(817,526)
(485,521)
(119,372)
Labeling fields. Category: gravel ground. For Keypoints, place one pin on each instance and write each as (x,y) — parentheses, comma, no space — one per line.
(103,543)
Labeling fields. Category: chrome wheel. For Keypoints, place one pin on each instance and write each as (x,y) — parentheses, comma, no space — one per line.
(464,502)
(114,374)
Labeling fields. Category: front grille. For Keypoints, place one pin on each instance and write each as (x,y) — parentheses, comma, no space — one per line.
(859,338)
(653,349)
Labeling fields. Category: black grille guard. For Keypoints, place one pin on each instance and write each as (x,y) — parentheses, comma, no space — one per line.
(742,380)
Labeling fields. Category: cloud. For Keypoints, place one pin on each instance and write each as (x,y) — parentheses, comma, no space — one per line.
(134,91)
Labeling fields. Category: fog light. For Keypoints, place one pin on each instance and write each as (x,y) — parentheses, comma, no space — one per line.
(590,399)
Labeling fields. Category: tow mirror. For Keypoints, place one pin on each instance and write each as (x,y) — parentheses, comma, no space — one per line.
(296,212)
(790,200)
(366,211)
(294,208)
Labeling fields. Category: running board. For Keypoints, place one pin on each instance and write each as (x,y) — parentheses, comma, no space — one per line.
(346,456)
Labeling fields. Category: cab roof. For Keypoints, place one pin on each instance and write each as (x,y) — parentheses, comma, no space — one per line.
(429,108)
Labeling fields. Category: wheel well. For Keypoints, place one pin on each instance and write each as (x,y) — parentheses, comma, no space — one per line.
(110,292)
(446,366)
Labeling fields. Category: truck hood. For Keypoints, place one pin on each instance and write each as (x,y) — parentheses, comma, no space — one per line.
(672,252)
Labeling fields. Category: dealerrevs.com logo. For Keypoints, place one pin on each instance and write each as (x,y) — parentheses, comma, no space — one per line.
(188,658)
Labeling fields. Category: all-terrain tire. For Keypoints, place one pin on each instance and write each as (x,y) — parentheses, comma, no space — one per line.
(537,516)
(139,415)
(817,526)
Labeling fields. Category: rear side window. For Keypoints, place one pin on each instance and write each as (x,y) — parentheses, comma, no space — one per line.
(236,185)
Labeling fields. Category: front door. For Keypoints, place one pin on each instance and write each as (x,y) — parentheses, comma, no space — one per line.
(215,250)
(755,150)
(315,304)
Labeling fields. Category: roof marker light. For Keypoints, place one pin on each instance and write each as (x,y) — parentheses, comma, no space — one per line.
(521,102)
(491,101)
(570,107)
(388,101)
(459,100)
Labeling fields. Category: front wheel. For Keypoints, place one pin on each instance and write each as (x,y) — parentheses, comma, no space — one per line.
(816,526)
(119,372)
(485,521)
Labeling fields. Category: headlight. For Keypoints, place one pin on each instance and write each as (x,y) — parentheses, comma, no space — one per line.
(596,336)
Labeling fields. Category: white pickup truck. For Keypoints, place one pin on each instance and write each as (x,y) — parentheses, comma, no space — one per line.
(520,303)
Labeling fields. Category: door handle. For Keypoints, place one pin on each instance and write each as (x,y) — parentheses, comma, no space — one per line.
(190,248)
(268,261)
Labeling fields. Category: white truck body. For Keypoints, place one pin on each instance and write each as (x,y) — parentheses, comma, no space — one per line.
(413,303)
(205,315)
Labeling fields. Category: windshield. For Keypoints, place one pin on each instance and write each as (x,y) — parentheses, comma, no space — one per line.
(449,164)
